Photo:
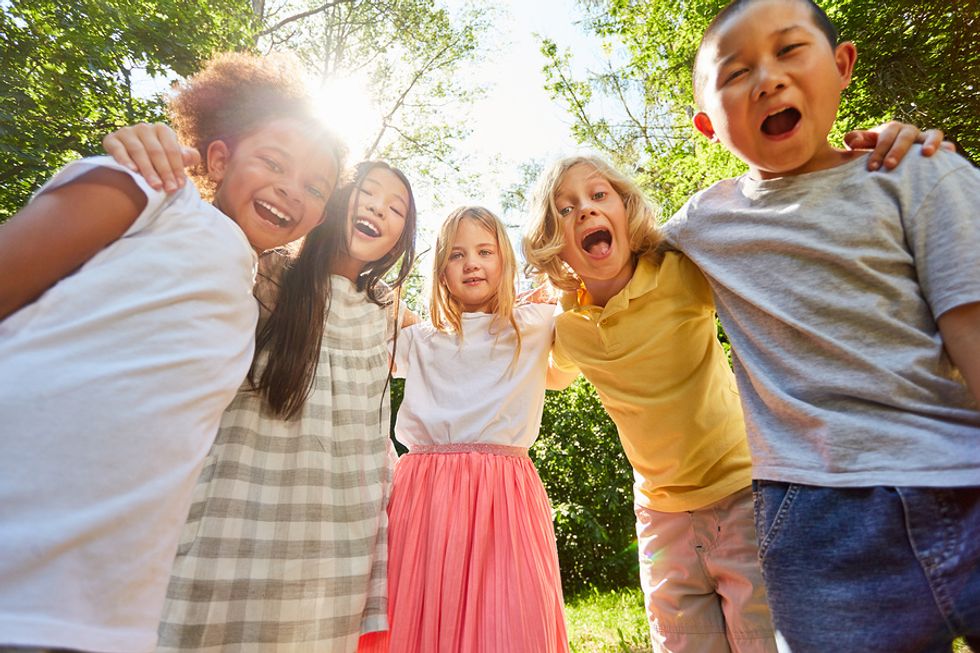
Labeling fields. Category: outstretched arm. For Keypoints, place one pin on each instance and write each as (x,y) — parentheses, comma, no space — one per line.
(960,328)
(60,230)
(154,152)
(558,379)
(891,141)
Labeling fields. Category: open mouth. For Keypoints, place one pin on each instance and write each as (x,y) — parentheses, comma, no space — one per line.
(271,214)
(367,228)
(598,242)
(471,282)
(781,122)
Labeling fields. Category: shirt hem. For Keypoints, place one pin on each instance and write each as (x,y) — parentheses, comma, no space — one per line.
(892,478)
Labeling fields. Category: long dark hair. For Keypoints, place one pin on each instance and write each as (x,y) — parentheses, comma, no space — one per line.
(290,338)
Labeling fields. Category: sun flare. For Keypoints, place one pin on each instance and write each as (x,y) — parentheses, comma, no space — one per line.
(349,111)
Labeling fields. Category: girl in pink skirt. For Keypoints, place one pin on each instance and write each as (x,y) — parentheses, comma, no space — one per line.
(472,560)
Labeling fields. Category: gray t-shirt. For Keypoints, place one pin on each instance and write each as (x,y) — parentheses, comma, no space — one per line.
(828,285)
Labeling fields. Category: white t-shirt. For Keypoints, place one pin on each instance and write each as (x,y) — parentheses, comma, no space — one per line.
(112,385)
(468,393)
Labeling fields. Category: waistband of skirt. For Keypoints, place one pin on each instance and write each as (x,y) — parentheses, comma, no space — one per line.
(470,447)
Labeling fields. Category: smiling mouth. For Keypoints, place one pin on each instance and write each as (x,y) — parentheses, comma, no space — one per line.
(271,214)
(597,243)
(781,122)
(367,228)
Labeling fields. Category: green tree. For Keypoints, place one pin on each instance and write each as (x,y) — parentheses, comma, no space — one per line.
(408,52)
(73,72)
(70,73)
(918,62)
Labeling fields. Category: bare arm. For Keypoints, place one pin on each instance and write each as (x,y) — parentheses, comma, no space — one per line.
(960,329)
(62,229)
(891,141)
(154,152)
(557,379)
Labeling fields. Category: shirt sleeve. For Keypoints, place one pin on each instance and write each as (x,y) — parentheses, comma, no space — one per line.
(399,346)
(562,361)
(156,200)
(943,234)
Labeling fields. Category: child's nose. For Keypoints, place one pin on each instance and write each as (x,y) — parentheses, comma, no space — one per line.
(769,79)
(290,188)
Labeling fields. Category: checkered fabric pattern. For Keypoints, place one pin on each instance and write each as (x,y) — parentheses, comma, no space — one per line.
(285,545)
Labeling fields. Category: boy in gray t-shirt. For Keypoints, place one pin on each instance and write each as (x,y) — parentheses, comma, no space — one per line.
(852,300)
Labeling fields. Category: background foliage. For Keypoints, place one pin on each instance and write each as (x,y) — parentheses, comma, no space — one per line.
(70,72)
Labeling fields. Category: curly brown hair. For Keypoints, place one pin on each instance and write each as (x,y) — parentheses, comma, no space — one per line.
(234,94)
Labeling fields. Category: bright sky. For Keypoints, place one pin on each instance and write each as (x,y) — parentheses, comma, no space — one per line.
(517,121)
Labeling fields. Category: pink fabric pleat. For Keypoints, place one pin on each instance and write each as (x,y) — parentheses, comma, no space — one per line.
(472,561)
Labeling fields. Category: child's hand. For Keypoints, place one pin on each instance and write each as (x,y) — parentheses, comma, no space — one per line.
(541,295)
(891,142)
(154,152)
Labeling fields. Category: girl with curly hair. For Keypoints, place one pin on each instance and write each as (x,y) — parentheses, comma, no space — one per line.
(127,323)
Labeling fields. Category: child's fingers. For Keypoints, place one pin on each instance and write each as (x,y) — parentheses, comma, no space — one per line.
(190,156)
(113,146)
(126,147)
(166,154)
(932,141)
(888,136)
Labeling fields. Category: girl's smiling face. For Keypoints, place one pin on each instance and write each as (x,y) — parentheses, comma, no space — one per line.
(274,184)
(375,220)
(474,269)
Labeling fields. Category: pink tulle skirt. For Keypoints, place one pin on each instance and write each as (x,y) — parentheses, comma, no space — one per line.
(472,563)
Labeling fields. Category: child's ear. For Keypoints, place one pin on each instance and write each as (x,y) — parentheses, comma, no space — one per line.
(218,156)
(845,55)
(703,124)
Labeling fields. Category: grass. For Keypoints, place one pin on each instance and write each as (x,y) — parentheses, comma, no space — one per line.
(607,622)
(615,622)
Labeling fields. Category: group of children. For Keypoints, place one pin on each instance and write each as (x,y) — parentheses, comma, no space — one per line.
(143,498)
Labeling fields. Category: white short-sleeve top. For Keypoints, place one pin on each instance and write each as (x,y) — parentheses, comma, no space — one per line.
(112,385)
(473,391)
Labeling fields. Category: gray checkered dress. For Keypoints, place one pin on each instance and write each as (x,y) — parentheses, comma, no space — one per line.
(285,545)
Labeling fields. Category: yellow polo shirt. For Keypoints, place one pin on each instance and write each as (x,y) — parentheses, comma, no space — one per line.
(653,355)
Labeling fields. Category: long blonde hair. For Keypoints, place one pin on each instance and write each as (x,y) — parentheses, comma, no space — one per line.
(445,311)
(543,239)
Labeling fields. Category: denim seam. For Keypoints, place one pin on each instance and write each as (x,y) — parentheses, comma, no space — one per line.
(792,490)
(931,566)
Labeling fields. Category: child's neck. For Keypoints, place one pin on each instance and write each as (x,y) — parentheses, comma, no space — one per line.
(826,158)
(602,290)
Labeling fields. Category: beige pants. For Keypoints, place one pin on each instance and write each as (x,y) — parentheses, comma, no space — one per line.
(702,580)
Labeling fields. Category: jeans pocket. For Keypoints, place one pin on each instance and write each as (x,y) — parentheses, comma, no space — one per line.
(772,503)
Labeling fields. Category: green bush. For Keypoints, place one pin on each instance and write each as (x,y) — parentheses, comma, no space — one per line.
(590,482)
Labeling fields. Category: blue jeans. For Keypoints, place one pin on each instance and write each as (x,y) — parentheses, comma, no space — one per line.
(861,570)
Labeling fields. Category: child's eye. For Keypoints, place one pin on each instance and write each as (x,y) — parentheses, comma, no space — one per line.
(316,192)
(564,211)
(398,213)
(486,252)
(735,74)
(599,195)
(272,164)
(454,256)
(789,48)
